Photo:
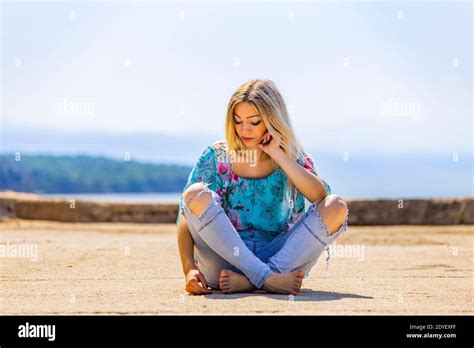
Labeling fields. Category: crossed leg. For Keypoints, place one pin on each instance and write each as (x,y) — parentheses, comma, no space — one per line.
(332,209)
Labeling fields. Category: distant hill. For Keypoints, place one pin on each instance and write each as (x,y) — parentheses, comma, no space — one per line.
(143,147)
(363,174)
(84,174)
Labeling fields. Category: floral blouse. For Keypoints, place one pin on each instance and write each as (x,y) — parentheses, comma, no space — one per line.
(259,208)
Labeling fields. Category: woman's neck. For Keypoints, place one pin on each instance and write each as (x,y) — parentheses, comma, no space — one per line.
(260,154)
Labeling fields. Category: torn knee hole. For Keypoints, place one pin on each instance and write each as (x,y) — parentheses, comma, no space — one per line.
(198,201)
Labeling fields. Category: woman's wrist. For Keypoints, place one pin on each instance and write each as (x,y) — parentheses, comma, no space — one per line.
(188,266)
(278,155)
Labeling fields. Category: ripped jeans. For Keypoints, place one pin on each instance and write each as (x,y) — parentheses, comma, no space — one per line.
(218,246)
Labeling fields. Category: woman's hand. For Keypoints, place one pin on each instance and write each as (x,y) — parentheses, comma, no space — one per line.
(196,283)
(270,144)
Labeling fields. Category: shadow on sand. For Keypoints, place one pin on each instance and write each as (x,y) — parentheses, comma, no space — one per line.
(304,295)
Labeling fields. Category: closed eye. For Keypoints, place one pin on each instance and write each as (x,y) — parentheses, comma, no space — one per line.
(253,123)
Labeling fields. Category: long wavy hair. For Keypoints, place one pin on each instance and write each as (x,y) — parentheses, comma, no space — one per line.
(265,97)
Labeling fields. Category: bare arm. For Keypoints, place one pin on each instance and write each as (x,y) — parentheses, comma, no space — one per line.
(195,282)
(307,183)
(185,246)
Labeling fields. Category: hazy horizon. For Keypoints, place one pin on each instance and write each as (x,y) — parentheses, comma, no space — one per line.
(380,93)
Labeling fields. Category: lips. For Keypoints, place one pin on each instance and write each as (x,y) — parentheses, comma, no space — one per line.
(246,139)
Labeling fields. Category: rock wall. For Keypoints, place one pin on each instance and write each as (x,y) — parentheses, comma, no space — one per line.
(452,211)
(26,206)
(361,212)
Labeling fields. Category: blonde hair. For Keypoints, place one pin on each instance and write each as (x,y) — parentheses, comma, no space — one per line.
(265,97)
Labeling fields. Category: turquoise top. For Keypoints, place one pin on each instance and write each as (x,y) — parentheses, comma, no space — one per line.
(258,208)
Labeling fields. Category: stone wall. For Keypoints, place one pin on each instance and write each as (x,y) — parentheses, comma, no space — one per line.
(450,211)
(361,212)
(26,206)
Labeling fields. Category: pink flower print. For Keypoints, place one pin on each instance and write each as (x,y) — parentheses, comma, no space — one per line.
(221,192)
(233,177)
(308,164)
(235,220)
(223,167)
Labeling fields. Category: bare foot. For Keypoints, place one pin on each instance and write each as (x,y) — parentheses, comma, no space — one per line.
(231,282)
(289,283)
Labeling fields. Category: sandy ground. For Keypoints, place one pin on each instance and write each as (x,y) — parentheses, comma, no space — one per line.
(135,269)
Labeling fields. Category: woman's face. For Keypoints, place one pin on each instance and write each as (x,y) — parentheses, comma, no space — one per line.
(248,124)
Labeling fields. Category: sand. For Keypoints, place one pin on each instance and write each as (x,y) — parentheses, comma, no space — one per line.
(102,268)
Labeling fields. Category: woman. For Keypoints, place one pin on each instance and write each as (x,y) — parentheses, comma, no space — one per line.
(243,223)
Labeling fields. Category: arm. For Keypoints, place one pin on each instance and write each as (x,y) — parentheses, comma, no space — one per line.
(307,183)
(205,170)
(185,246)
(194,280)
(303,177)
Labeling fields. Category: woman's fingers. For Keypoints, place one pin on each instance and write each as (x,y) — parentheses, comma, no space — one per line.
(196,288)
(274,134)
(203,280)
(266,137)
(193,288)
(206,291)
(192,285)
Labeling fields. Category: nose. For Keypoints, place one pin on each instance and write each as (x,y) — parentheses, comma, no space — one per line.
(246,128)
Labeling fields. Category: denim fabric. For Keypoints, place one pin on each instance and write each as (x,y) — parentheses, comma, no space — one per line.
(259,208)
(218,246)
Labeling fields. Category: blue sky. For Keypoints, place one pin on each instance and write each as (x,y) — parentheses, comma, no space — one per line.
(169,68)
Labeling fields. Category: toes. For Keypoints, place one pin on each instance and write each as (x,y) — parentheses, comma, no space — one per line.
(297,288)
(224,285)
(226,273)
